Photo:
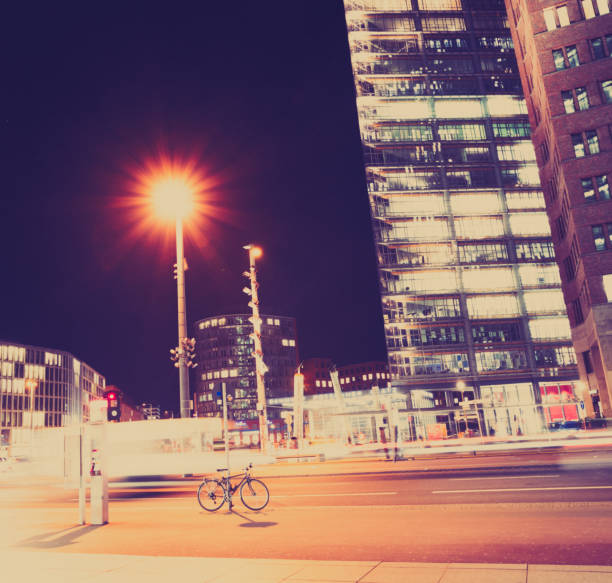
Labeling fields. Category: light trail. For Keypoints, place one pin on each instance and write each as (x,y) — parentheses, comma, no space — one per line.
(521,489)
(506,477)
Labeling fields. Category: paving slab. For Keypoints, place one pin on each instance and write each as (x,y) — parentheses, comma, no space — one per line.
(67,567)
(568,576)
(483,576)
(391,573)
(346,571)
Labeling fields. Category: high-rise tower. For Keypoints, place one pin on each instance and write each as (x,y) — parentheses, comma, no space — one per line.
(470,289)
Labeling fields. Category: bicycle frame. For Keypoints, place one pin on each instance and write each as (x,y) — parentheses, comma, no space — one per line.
(231,488)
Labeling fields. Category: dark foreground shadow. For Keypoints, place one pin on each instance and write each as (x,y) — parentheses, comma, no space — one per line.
(250,523)
(60,538)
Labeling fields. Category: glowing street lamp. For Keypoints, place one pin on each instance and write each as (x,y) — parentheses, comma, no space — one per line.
(172,198)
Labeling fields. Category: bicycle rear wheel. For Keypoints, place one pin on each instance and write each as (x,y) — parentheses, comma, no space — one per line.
(254,494)
(211,495)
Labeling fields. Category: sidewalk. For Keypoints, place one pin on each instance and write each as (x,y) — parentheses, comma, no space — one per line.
(55,567)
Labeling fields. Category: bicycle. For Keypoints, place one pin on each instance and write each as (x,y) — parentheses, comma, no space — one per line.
(212,493)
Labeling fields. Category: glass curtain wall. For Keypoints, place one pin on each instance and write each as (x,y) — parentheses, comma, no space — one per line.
(470,288)
(224,352)
(42,388)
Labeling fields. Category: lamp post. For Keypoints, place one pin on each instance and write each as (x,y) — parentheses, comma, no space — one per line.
(260,366)
(173,198)
(182,320)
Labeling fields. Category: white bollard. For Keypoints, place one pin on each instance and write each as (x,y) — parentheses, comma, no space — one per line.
(98,488)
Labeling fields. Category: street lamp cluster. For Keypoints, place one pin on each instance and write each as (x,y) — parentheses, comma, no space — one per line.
(260,366)
(173,199)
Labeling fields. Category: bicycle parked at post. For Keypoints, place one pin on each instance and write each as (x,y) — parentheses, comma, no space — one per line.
(212,493)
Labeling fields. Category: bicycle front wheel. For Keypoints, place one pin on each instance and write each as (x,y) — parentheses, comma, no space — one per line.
(254,494)
(211,495)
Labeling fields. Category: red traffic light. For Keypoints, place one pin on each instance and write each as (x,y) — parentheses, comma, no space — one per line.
(111,396)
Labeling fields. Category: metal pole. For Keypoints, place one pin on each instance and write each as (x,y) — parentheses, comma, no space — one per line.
(260,367)
(81,475)
(182,322)
(225,429)
(32,390)
(298,408)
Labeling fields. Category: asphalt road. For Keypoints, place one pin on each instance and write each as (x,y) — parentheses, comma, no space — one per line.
(546,508)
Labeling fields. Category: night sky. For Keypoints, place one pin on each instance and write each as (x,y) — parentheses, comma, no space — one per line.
(261,94)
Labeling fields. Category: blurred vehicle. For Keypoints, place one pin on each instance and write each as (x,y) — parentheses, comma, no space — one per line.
(595,422)
(565,425)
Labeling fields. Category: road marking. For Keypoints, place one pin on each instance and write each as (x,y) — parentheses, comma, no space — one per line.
(335,494)
(521,489)
(154,484)
(508,477)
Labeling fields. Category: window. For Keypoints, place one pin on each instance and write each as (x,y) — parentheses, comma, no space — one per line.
(572,260)
(529,223)
(493,361)
(505,332)
(606,88)
(607,285)
(598,237)
(592,142)
(511,130)
(563,16)
(549,328)
(487,252)
(603,188)
(435,336)
(549,18)
(444,24)
(544,301)
(461,132)
(583,98)
(558,59)
(603,6)
(609,227)
(597,48)
(587,189)
(497,306)
(568,101)
(587,8)
(439,5)
(535,250)
(572,56)
(600,190)
(447,44)
(513,151)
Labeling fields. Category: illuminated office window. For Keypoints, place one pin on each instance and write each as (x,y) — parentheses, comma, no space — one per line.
(475,203)
(524,224)
(500,360)
(488,279)
(549,328)
(479,227)
(544,301)
(493,306)
(534,274)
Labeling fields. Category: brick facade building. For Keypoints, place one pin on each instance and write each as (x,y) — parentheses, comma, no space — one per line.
(564,52)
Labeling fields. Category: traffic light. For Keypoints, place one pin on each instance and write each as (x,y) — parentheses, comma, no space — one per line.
(113,405)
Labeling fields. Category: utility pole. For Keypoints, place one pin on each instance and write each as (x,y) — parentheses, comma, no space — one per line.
(298,408)
(260,367)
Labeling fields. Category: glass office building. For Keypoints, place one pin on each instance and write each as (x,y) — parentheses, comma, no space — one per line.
(224,354)
(471,294)
(61,386)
